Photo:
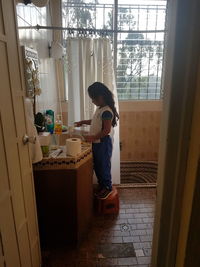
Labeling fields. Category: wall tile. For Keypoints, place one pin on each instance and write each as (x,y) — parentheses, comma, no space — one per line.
(139,134)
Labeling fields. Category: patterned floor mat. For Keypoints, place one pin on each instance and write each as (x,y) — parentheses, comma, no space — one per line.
(139,172)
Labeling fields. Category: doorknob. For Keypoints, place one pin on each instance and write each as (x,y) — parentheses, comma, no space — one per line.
(28,139)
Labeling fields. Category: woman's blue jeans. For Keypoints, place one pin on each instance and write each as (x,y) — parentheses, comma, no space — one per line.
(102,153)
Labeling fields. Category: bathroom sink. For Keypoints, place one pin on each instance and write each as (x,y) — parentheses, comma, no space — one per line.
(65,135)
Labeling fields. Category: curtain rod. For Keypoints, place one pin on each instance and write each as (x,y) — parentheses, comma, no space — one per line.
(83,30)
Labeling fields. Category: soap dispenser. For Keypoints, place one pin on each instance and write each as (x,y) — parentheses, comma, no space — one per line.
(58,125)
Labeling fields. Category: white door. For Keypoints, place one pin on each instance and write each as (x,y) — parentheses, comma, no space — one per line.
(19,239)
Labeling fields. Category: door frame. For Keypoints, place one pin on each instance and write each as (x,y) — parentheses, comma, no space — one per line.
(17,155)
(189,234)
(180,83)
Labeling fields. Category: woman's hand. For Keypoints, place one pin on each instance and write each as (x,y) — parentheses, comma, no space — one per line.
(89,138)
(78,123)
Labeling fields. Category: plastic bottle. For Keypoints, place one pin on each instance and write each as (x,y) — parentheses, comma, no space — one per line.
(50,120)
(58,125)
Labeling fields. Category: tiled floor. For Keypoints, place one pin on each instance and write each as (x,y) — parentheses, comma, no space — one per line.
(133,224)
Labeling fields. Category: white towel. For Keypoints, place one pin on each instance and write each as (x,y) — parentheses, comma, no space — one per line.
(35,149)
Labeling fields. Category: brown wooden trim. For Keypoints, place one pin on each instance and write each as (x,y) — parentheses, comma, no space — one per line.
(182,60)
(192,257)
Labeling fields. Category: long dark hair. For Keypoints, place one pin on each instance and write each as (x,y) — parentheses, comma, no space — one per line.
(99,89)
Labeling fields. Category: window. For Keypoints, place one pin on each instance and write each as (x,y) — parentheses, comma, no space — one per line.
(138,43)
(30,15)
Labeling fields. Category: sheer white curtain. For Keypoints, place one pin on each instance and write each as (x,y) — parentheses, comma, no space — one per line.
(90,60)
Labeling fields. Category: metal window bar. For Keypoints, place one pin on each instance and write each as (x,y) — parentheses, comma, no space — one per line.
(149,64)
(163,55)
(156,23)
(31,19)
(157,71)
(119,33)
(138,10)
(140,70)
(95,16)
(147,20)
(86,30)
(150,46)
(114,26)
(103,16)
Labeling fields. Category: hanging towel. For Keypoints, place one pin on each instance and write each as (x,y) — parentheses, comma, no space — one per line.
(35,149)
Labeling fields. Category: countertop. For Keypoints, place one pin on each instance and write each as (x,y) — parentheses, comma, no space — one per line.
(63,161)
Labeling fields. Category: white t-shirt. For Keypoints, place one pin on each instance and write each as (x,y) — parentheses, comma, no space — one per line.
(96,123)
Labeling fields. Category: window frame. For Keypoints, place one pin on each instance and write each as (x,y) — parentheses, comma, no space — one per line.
(115,39)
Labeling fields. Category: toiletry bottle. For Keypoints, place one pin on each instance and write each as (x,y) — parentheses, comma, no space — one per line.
(50,120)
(58,125)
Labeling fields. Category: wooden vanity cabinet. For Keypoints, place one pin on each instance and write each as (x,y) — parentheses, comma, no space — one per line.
(64,203)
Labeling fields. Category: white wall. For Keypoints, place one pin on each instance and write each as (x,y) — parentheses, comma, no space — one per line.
(39,40)
(49,98)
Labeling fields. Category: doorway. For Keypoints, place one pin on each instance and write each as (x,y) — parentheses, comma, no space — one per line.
(140,102)
(175,140)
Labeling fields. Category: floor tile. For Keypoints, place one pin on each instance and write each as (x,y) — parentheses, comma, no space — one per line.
(139,232)
(131,239)
(145,238)
(134,224)
(139,252)
(144,260)
(127,261)
(147,251)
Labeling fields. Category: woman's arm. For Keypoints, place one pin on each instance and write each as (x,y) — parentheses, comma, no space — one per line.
(80,123)
(106,127)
